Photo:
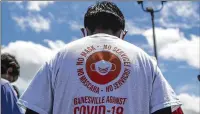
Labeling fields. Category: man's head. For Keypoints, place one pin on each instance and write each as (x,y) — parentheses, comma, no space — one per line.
(9,67)
(104,17)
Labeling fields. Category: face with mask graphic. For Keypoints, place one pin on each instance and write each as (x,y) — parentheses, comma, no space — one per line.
(103,67)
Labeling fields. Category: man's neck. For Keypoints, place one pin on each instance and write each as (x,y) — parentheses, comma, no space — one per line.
(3,76)
(104,32)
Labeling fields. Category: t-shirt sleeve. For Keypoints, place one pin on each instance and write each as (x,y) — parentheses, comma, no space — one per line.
(8,101)
(39,94)
(162,95)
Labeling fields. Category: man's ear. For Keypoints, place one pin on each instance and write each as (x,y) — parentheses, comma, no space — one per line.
(85,32)
(10,70)
(88,31)
(123,34)
(9,76)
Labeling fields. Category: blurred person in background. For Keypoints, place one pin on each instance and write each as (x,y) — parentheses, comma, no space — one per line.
(101,74)
(10,63)
(9,67)
(9,73)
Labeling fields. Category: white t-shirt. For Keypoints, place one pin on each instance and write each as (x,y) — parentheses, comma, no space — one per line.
(99,74)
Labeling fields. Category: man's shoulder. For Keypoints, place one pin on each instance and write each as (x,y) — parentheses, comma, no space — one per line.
(5,87)
(76,42)
(8,99)
(132,47)
(139,52)
(76,45)
(4,82)
(84,41)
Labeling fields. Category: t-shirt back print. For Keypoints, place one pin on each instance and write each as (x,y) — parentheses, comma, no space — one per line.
(102,69)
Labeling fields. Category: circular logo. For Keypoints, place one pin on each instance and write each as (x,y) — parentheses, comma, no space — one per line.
(103,67)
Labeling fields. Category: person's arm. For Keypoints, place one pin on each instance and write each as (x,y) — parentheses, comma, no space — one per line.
(162,95)
(29,111)
(38,97)
(8,101)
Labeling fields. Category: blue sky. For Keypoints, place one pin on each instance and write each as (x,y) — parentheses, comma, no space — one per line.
(33,31)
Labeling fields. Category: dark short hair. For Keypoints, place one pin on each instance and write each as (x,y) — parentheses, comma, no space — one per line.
(105,15)
(7,61)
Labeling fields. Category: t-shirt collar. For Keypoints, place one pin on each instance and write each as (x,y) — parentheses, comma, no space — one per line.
(103,35)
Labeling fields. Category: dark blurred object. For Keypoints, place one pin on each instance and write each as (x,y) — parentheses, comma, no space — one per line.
(139,1)
(198,77)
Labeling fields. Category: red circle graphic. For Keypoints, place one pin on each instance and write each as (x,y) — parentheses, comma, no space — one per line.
(103,67)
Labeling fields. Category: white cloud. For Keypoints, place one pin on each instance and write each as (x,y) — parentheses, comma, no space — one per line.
(186,50)
(175,14)
(162,67)
(190,103)
(52,17)
(188,88)
(182,14)
(172,44)
(182,9)
(183,67)
(74,25)
(2,46)
(38,5)
(18,3)
(61,20)
(21,84)
(167,23)
(163,36)
(133,29)
(75,7)
(55,45)
(36,22)
(31,56)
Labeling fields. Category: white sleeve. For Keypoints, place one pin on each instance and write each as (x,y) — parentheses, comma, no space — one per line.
(162,94)
(39,95)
